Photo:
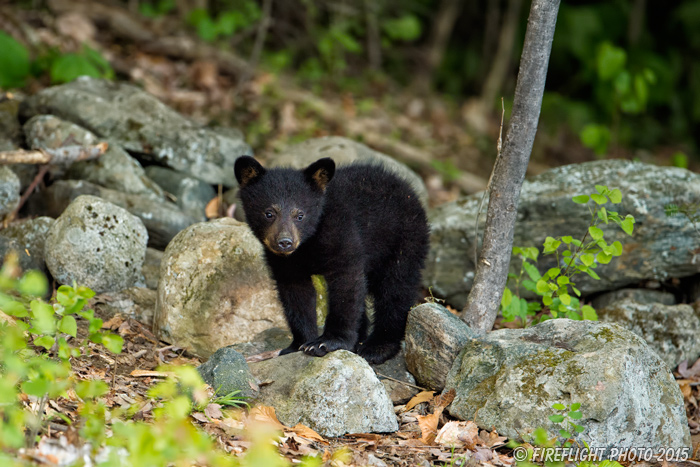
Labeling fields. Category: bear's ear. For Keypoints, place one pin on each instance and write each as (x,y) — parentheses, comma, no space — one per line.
(247,170)
(320,173)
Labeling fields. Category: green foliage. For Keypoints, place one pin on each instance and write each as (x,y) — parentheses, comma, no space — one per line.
(89,62)
(679,159)
(211,27)
(14,62)
(690,210)
(404,28)
(447,169)
(154,9)
(556,286)
(566,420)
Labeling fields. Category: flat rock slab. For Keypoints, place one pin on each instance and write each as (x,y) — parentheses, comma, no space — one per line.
(509,379)
(140,123)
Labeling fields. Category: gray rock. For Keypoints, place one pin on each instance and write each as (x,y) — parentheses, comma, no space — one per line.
(345,151)
(10,129)
(139,122)
(96,244)
(29,238)
(265,341)
(334,395)
(661,247)
(191,194)
(638,295)
(215,289)
(227,371)
(9,191)
(162,219)
(434,338)
(115,169)
(138,303)
(151,267)
(671,330)
(509,380)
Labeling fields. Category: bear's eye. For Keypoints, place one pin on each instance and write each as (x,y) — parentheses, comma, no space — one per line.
(269,214)
(300,216)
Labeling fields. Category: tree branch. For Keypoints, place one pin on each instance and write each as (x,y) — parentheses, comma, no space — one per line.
(492,269)
(63,155)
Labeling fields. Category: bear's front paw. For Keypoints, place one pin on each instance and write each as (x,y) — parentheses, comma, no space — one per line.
(291,349)
(322,345)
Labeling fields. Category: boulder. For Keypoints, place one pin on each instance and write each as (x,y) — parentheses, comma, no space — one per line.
(9,191)
(96,244)
(434,338)
(140,123)
(670,330)
(660,248)
(346,151)
(28,238)
(215,289)
(638,295)
(334,395)
(227,371)
(509,379)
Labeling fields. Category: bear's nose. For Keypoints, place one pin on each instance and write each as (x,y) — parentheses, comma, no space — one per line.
(284,243)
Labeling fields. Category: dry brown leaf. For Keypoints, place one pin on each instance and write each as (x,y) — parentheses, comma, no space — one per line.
(113,323)
(459,434)
(425,396)
(213,208)
(199,416)
(266,414)
(686,390)
(690,373)
(213,411)
(306,432)
(152,373)
(428,425)
(491,438)
(445,399)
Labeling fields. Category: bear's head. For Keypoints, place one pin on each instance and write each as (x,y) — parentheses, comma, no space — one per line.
(283,206)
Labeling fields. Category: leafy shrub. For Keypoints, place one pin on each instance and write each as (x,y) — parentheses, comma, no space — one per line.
(555,287)
(14,62)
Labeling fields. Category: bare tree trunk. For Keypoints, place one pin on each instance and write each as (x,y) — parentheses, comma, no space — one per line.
(374,40)
(509,171)
(636,21)
(499,66)
(442,29)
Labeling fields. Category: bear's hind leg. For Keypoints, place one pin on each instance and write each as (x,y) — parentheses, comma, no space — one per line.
(395,292)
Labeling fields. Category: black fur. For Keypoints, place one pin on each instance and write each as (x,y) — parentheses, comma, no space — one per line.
(361,227)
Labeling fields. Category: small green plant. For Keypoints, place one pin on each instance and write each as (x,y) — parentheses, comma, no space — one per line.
(14,62)
(690,210)
(154,9)
(566,421)
(210,28)
(556,287)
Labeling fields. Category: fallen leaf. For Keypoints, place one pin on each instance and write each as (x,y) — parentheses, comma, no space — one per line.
(199,416)
(213,209)
(459,434)
(213,411)
(686,390)
(445,399)
(152,373)
(491,439)
(428,425)
(266,414)
(425,396)
(306,432)
(689,373)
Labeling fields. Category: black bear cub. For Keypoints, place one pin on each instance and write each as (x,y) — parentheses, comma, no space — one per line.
(361,227)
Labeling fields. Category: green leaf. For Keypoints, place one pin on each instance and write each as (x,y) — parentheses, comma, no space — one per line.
(406,28)
(595,232)
(43,320)
(33,284)
(575,406)
(576,291)
(615,196)
(69,66)
(599,199)
(580,199)
(603,215)
(551,245)
(616,248)
(547,300)
(564,434)
(90,389)
(596,137)
(37,387)
(12,307)
(542,286)
(14,62)
(610,61)
(588,312)
(556,418)
(112,342)
(68,325)
(553,272)
(602,189)
(627,225)
(578,428)
(603,258)
(558,406)
(45,342)
(593,274)
(575,415)
(565,299)
(507,297)
(85,292)
(562,280)
(587,259)
(532,271)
